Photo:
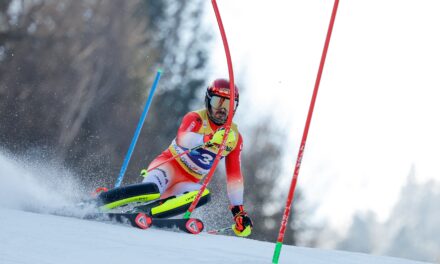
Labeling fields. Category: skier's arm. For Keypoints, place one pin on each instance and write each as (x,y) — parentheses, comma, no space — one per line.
(187,135)
(243,223)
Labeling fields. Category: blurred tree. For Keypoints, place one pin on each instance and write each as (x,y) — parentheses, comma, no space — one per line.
(184,57)
(72,76)
(262,163)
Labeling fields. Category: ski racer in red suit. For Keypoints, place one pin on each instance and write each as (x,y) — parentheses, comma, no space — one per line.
(179,178)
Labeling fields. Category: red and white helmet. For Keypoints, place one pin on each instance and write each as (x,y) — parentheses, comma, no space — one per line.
(217,96)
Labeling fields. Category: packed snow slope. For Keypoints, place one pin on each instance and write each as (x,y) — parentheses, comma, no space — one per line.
(30,189)
(35,238)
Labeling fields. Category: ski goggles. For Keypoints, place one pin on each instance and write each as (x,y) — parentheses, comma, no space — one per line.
(221,102)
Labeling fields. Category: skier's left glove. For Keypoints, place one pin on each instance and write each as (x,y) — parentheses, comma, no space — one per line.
(243,223)
(217,137)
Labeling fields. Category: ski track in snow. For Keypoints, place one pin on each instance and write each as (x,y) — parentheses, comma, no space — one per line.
(32,238)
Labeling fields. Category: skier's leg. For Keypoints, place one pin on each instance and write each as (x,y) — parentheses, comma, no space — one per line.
(120,196)
(152,187)
(184,194)
(160,177)
(182,188)
(165,175)
(178,189)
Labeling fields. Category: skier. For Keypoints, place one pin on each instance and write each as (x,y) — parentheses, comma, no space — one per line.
(177,180)
(171,181)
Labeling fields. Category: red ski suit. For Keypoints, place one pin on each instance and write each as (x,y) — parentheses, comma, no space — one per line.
(182,174)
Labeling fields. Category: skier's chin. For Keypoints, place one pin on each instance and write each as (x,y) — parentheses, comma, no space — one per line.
(221,118)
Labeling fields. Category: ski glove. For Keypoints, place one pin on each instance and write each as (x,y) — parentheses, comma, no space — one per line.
(144,173)
(217,138)
(243,223)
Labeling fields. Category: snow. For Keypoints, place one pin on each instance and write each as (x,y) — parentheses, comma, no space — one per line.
(28,237)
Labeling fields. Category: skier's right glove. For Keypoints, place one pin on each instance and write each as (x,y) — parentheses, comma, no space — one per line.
(217,138)
(243,223)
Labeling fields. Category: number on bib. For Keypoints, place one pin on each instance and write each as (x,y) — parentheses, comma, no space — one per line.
(206,159)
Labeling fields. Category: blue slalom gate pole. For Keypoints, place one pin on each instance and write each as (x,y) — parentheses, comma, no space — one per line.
(138,130)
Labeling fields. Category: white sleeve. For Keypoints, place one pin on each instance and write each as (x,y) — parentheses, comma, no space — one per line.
(190,140)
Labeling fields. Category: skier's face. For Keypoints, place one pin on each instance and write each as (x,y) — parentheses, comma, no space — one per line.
(220,114)
(220,108)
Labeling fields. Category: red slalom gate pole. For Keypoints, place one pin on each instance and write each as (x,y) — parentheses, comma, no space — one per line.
(290,196)
(230,114)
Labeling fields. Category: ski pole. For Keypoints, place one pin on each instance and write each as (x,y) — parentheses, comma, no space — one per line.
(228,120)
(219,231)
(138,130)
(289,201)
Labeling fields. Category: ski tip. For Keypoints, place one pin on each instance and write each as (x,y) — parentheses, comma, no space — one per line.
(98,191)
(194,226)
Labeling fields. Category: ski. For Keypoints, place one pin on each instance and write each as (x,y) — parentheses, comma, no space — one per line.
(144,221)
(139,220)
(190,225)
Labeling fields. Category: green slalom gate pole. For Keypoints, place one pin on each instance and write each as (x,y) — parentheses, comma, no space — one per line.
(230,115)
(289,201)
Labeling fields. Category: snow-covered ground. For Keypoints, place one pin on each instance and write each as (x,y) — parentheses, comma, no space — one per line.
(29,235)
(34,238)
